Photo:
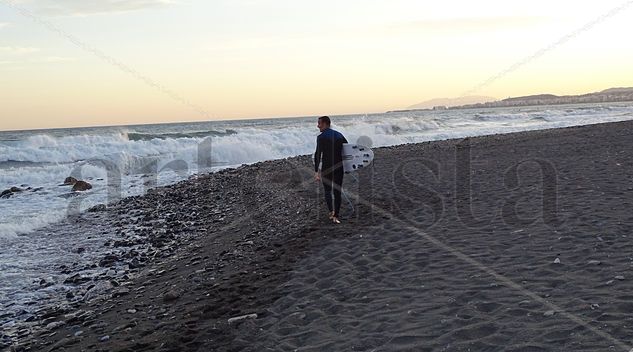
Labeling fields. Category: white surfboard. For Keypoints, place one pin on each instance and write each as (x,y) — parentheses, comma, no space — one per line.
(356,157)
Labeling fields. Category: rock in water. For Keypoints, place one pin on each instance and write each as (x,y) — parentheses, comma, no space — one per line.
(98,208)
(7,193)
(69,181)
(81,186)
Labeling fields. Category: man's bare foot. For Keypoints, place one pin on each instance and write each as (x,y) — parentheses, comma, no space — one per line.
(331,215)
(335,220)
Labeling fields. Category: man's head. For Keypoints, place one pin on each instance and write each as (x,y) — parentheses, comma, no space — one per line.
(323,123)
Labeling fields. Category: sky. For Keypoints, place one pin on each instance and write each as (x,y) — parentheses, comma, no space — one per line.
(66,63)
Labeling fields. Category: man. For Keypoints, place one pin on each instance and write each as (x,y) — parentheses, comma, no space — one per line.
(329,151)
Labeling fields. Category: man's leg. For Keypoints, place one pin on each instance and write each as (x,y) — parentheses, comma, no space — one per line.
(327,187)
(337,179)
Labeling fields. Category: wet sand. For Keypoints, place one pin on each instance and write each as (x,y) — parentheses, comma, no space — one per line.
(517,242)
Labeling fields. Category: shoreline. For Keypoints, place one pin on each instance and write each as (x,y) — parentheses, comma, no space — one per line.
(218,261)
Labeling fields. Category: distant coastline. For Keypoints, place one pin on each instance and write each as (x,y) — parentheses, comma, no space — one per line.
(612,95)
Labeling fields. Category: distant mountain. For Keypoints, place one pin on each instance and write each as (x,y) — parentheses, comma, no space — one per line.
(532,97)
(450,102)
(617,91)
(611,95)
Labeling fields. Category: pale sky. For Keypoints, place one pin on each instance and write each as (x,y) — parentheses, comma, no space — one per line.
(269,58)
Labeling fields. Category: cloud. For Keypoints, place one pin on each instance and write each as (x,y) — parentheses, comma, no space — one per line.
(17,50)
(470,24)
(29,63)
(51,59)
(91,7)
(35,61)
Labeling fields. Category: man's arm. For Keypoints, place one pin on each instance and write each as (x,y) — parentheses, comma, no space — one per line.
(317,155)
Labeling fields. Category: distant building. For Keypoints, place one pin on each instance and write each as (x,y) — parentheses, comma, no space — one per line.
(440,107)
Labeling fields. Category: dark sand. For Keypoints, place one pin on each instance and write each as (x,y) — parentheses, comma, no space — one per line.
(527,246)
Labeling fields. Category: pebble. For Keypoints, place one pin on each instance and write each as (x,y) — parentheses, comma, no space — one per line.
(121,292)
(104,338)
(549,313)
(44,283)
(242,317)
(594,262)
(54,325)
(64,342)
(131,311)
(171,296)
(557,261)
(124,326)
(98,326)
(619,277)
(76,279)
(298,316)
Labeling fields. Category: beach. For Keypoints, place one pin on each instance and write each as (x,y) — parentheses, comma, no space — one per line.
(509,242)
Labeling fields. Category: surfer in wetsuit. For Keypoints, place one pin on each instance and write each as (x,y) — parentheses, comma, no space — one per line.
(329,151)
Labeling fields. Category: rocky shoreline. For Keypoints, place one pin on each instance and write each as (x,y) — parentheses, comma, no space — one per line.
(143,236)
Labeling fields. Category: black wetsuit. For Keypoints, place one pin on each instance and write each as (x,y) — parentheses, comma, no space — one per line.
(329,150)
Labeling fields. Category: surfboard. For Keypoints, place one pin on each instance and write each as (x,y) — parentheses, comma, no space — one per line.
(356,157)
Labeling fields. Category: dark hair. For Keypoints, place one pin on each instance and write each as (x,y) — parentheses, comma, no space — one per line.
(325,119)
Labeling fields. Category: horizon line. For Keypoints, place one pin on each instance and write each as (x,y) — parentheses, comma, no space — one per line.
(191,121)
